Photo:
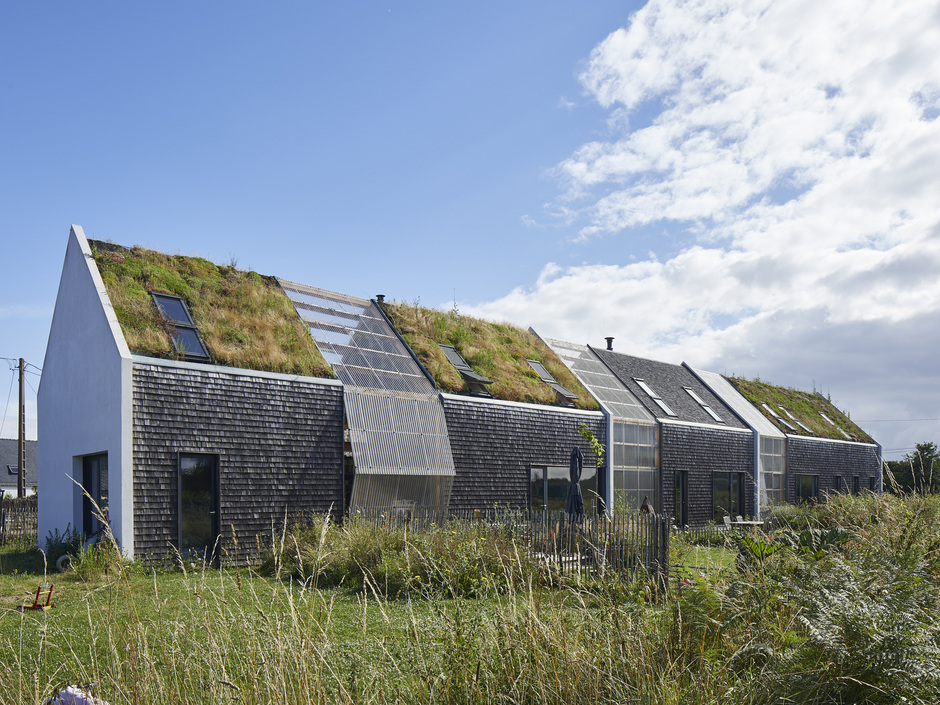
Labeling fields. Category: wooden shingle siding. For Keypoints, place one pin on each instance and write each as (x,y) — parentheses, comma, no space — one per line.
(494,445)
(828,459)
(279,444)
(701,452)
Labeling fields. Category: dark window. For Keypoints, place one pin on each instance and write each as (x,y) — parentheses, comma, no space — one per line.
(13,470)
(727,494)
(186,338)
(837,484)
(94,493)
(807,488)
(872,484)
(198,505)
(548,488)
(855,484)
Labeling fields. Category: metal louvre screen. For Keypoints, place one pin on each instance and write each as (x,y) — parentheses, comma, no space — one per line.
(397,428)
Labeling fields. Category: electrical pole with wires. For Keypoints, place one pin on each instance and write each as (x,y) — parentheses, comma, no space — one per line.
(21,444)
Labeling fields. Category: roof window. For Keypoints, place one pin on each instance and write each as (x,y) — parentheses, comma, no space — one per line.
(546,377)
(833,423)
(795,420)
(777,416)
(475,382)
(654,396)
(701,403)
(186,338)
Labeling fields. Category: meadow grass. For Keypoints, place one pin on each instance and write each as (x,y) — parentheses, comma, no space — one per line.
(842,606)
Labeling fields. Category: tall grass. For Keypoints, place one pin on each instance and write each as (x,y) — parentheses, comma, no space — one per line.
(857,621)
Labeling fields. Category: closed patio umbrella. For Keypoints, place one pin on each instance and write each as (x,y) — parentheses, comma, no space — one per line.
(575,505)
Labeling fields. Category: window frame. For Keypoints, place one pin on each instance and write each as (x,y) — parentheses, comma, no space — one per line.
(184,325)
(814,481)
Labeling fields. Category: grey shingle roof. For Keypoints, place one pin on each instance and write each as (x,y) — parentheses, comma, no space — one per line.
(669,382)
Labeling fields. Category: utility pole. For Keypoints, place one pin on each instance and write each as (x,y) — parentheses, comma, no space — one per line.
(21,445)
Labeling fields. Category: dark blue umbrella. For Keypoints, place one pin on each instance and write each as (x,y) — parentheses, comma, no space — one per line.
(575,505)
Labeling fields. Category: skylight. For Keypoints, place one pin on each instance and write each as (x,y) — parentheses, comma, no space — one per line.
(186,338)
(796,420)
(474,381)
(654,396)
(832,423)
(546,377)
(777,416)
(701,402)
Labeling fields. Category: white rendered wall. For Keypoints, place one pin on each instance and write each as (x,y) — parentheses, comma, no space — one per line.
(84,400)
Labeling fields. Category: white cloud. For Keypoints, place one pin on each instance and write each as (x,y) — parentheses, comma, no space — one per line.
(795,143)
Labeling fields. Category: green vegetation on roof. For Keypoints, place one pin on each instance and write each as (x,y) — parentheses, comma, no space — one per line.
(245,319)
(495,350)
(805,406)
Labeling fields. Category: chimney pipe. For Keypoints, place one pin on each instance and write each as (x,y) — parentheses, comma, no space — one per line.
(380,298)
(610,342)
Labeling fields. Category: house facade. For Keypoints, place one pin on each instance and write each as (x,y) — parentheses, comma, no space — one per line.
(158,417)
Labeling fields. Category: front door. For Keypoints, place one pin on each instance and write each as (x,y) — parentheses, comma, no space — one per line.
(198,506)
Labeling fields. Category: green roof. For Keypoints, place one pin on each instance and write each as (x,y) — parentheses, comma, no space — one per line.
(806,408)
(245,319)
(497,351)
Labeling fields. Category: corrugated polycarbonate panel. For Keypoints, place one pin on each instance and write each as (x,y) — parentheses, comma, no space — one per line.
(600,382)
(398,434)
(397,428)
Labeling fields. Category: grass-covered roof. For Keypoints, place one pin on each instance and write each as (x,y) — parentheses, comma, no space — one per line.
(805,406)
(495,350)
(244,318)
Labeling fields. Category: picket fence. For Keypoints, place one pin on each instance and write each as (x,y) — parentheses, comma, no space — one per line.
(625,543)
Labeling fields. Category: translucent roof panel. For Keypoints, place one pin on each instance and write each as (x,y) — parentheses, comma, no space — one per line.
(722,389)
(356,340)
(397,427)
(609,391)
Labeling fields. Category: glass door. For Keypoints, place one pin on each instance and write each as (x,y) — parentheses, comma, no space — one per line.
(198,506)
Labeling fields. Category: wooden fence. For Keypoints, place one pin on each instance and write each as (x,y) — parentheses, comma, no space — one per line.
(19,518)
(593,545)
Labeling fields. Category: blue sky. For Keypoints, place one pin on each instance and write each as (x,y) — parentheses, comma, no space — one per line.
(747,186)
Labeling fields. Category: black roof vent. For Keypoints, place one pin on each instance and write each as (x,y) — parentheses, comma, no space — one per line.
(610,342)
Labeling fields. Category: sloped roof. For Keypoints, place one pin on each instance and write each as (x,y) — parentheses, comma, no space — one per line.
(789,408)
(669,382)
(606,387)
(9,455)
(742,407)
(497,351)
(244,318)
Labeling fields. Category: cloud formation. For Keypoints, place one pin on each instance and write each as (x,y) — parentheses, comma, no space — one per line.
(793,147)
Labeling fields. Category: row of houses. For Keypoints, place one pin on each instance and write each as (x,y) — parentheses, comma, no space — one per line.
(192,404)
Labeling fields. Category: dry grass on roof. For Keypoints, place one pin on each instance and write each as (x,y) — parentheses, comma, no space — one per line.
(245,319)
(806,406)
(495,350)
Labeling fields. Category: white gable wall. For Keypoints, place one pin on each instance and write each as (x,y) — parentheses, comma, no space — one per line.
(84,400)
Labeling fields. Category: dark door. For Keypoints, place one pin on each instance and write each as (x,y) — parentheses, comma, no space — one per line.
(94,493)
(198,505)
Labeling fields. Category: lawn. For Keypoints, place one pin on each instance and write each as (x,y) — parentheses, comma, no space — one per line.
(841,604)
